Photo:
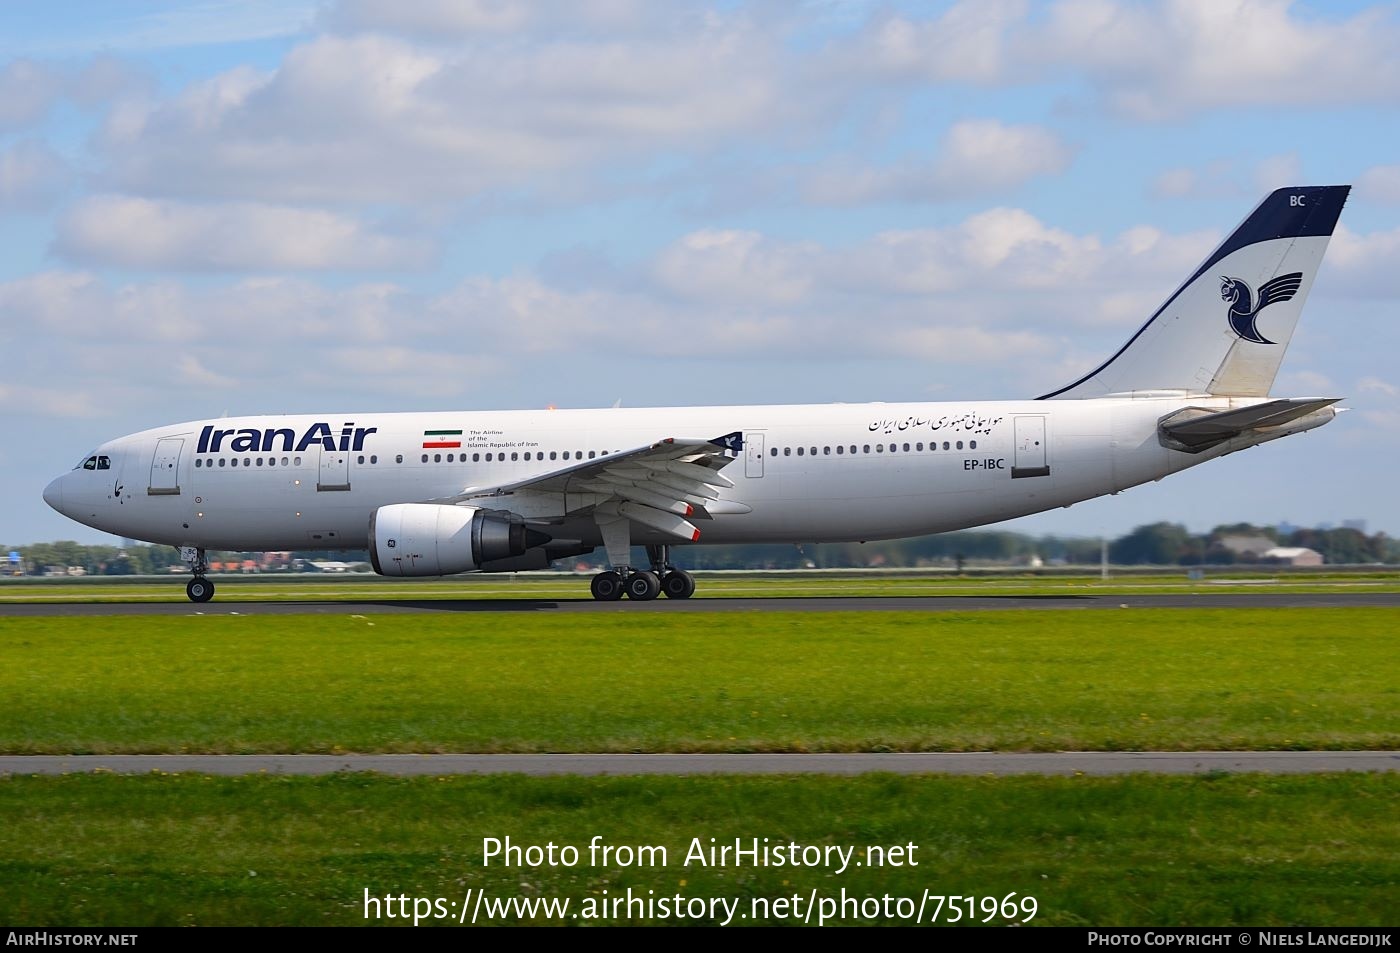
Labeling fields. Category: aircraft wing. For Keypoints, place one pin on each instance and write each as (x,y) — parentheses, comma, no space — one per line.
(659,484)
(1195,430)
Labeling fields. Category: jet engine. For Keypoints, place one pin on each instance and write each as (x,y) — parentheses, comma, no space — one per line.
(428,539)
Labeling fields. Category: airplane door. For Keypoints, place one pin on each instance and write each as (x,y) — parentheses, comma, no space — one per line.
(165,468)
(335,470)
(753,455)
(1029,459)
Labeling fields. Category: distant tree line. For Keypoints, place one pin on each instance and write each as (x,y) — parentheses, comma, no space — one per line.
(1159,544)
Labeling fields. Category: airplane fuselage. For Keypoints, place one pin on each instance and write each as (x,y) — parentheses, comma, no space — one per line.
(806,473)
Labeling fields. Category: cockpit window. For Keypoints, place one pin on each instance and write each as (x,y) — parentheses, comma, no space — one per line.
(104,463)
(90,463)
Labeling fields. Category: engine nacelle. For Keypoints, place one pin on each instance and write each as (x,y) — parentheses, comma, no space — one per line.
(428,539)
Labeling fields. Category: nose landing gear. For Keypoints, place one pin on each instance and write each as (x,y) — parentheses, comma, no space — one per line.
(199,589)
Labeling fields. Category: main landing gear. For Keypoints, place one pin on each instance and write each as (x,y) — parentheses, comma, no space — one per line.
(643,585)
(199,589)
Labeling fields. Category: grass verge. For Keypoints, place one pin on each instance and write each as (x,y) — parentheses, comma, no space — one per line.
(1138,850)
(763,681)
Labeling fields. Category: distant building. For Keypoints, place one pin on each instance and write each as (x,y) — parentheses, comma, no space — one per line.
(1293,556)
(1248,548)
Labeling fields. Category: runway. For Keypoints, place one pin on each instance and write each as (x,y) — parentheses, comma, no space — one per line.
(936,603)
(1097,763)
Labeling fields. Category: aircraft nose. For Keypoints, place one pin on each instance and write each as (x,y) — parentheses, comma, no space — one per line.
(53,494)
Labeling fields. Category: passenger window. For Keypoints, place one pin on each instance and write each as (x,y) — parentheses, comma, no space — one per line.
(449,458)
(773,452)
(221,461)
(919,446)
(972,445)
(945,445)
(476,458)
(880,447)
(259,461)
(272,461)
(799,451)
(296,461)
(554,454)
(853,448)
(373,458)
(425,458)
(515,456)
(906,448)
(437,458)
(787,451)
(592,454)
(959,444)
(398,458)
(867,448)
(198,463)
(841,449)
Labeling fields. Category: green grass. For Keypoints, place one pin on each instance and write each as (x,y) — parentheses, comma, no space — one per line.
(760,681)
(190,849)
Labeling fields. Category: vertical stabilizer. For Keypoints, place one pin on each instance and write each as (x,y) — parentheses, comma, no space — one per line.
(1225,331)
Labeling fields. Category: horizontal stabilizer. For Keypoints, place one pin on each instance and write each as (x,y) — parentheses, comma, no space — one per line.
(1195,429)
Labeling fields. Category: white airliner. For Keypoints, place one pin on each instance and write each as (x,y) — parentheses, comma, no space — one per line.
(433,494)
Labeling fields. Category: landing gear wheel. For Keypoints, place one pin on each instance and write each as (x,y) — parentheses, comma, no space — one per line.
(643,586)
(678,584)
(199,589)
(606,586)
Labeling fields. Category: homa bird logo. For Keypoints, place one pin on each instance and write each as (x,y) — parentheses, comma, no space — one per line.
(1244,309)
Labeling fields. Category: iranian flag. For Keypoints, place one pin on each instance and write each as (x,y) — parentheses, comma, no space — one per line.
(441,439)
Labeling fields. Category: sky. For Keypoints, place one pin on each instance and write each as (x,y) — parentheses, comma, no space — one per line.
(377,205)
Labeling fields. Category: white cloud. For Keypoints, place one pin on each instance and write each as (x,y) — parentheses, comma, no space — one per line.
(31,175)
(1146,61)
(1229,178)
(141,233)
(1364,265)
(736,266)
(27,91)
(1306,382)
(1380,183)
(967,43)
(1377,386)
(436,19)
(1153,62)
(974,157)
(1278,171)
(191,372)
(360,118)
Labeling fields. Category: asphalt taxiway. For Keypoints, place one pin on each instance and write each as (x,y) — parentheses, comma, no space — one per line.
(935,603)
(962,763)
